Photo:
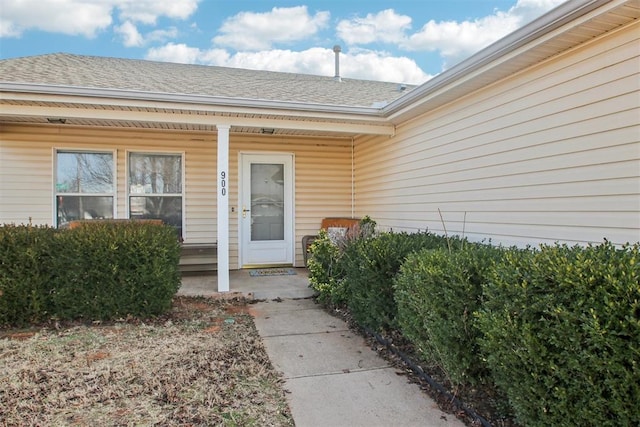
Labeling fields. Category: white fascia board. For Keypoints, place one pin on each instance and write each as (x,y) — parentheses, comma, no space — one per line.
(499,52)
(87,113)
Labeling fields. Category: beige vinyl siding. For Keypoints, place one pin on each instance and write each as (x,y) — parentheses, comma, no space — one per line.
(322,174)
(25,181)
(549,154)
(31,167)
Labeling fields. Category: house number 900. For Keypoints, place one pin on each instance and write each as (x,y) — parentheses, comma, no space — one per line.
(223,183)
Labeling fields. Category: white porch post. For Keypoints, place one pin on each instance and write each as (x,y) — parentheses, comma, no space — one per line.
(223,208)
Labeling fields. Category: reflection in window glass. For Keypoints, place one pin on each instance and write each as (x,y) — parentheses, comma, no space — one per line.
(155,188)
(84,172)
(84,186)
(70,208)
(166,208)
(155,173)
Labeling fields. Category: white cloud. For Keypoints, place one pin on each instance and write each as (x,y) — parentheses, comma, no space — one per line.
(86,18)
(258,31)
(73,17)
(130,34)
(9,29)
(161,35)
(453,40)
(385,26)
(374,65)
(176,52)
(528,10)
(367,65)
(457,40)
(131,37)
(148,11)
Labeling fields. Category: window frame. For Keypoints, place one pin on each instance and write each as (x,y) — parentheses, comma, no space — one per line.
(182,194)
(114,176)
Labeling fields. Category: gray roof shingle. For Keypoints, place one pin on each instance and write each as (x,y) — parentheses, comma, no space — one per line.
(184,79)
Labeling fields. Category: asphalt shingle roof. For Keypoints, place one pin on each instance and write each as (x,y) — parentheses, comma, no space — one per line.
(162,77)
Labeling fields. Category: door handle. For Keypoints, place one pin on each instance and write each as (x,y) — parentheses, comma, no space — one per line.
(244,212)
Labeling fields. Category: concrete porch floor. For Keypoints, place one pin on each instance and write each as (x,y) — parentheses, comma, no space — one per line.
(262,287)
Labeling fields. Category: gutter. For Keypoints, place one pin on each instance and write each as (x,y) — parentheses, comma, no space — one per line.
(191,99)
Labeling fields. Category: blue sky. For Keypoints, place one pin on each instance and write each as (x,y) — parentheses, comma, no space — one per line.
(399,41)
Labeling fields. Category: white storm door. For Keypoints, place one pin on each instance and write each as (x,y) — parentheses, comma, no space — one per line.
(266,209)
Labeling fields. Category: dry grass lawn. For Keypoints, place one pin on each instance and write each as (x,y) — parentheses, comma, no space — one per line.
(201,364)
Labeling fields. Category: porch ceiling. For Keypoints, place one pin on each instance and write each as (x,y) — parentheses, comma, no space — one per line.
(14,108)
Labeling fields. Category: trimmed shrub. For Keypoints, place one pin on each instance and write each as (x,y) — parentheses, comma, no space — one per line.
(561,334)
(437,293)
(26,271)
(326,263)
(370,266)
(118,269)
(326,272)
(99,270)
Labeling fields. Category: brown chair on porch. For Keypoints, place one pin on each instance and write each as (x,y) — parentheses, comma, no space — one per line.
(327,223)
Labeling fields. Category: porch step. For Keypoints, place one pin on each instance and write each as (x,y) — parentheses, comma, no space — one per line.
(198,257)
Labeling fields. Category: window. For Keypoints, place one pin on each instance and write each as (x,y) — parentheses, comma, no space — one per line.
(84,186)
(155,188)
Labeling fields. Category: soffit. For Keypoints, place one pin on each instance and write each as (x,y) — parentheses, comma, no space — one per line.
(190,119)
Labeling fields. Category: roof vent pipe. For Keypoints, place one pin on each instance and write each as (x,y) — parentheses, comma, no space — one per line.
(337,49)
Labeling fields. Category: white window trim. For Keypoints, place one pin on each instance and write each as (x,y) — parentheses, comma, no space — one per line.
(54,174)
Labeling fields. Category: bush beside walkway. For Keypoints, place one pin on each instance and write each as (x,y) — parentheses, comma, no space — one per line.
(555,329)
(96,271)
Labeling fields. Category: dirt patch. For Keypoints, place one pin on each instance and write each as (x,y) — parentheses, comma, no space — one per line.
(201,364)
(21,336)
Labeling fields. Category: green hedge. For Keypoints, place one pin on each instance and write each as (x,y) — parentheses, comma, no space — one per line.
(555,329)
(100,270)
(437,292)
(561,334)
(326,271)
(27,269)
(327,265)
(370,266)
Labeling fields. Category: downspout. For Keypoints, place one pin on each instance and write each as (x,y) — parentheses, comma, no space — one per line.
(353,180)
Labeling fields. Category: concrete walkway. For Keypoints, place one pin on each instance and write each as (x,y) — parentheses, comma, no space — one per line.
(332,377)
(265,287)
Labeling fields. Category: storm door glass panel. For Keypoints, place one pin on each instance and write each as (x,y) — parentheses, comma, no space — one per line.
(267,201)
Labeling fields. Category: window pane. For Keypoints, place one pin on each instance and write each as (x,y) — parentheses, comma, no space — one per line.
(70,208)
(155,174)
(84,173)
(166,208)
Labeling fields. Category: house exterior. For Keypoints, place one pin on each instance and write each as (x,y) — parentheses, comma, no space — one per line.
(534,139)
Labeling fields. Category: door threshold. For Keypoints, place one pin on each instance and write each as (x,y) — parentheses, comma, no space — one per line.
(250,266)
